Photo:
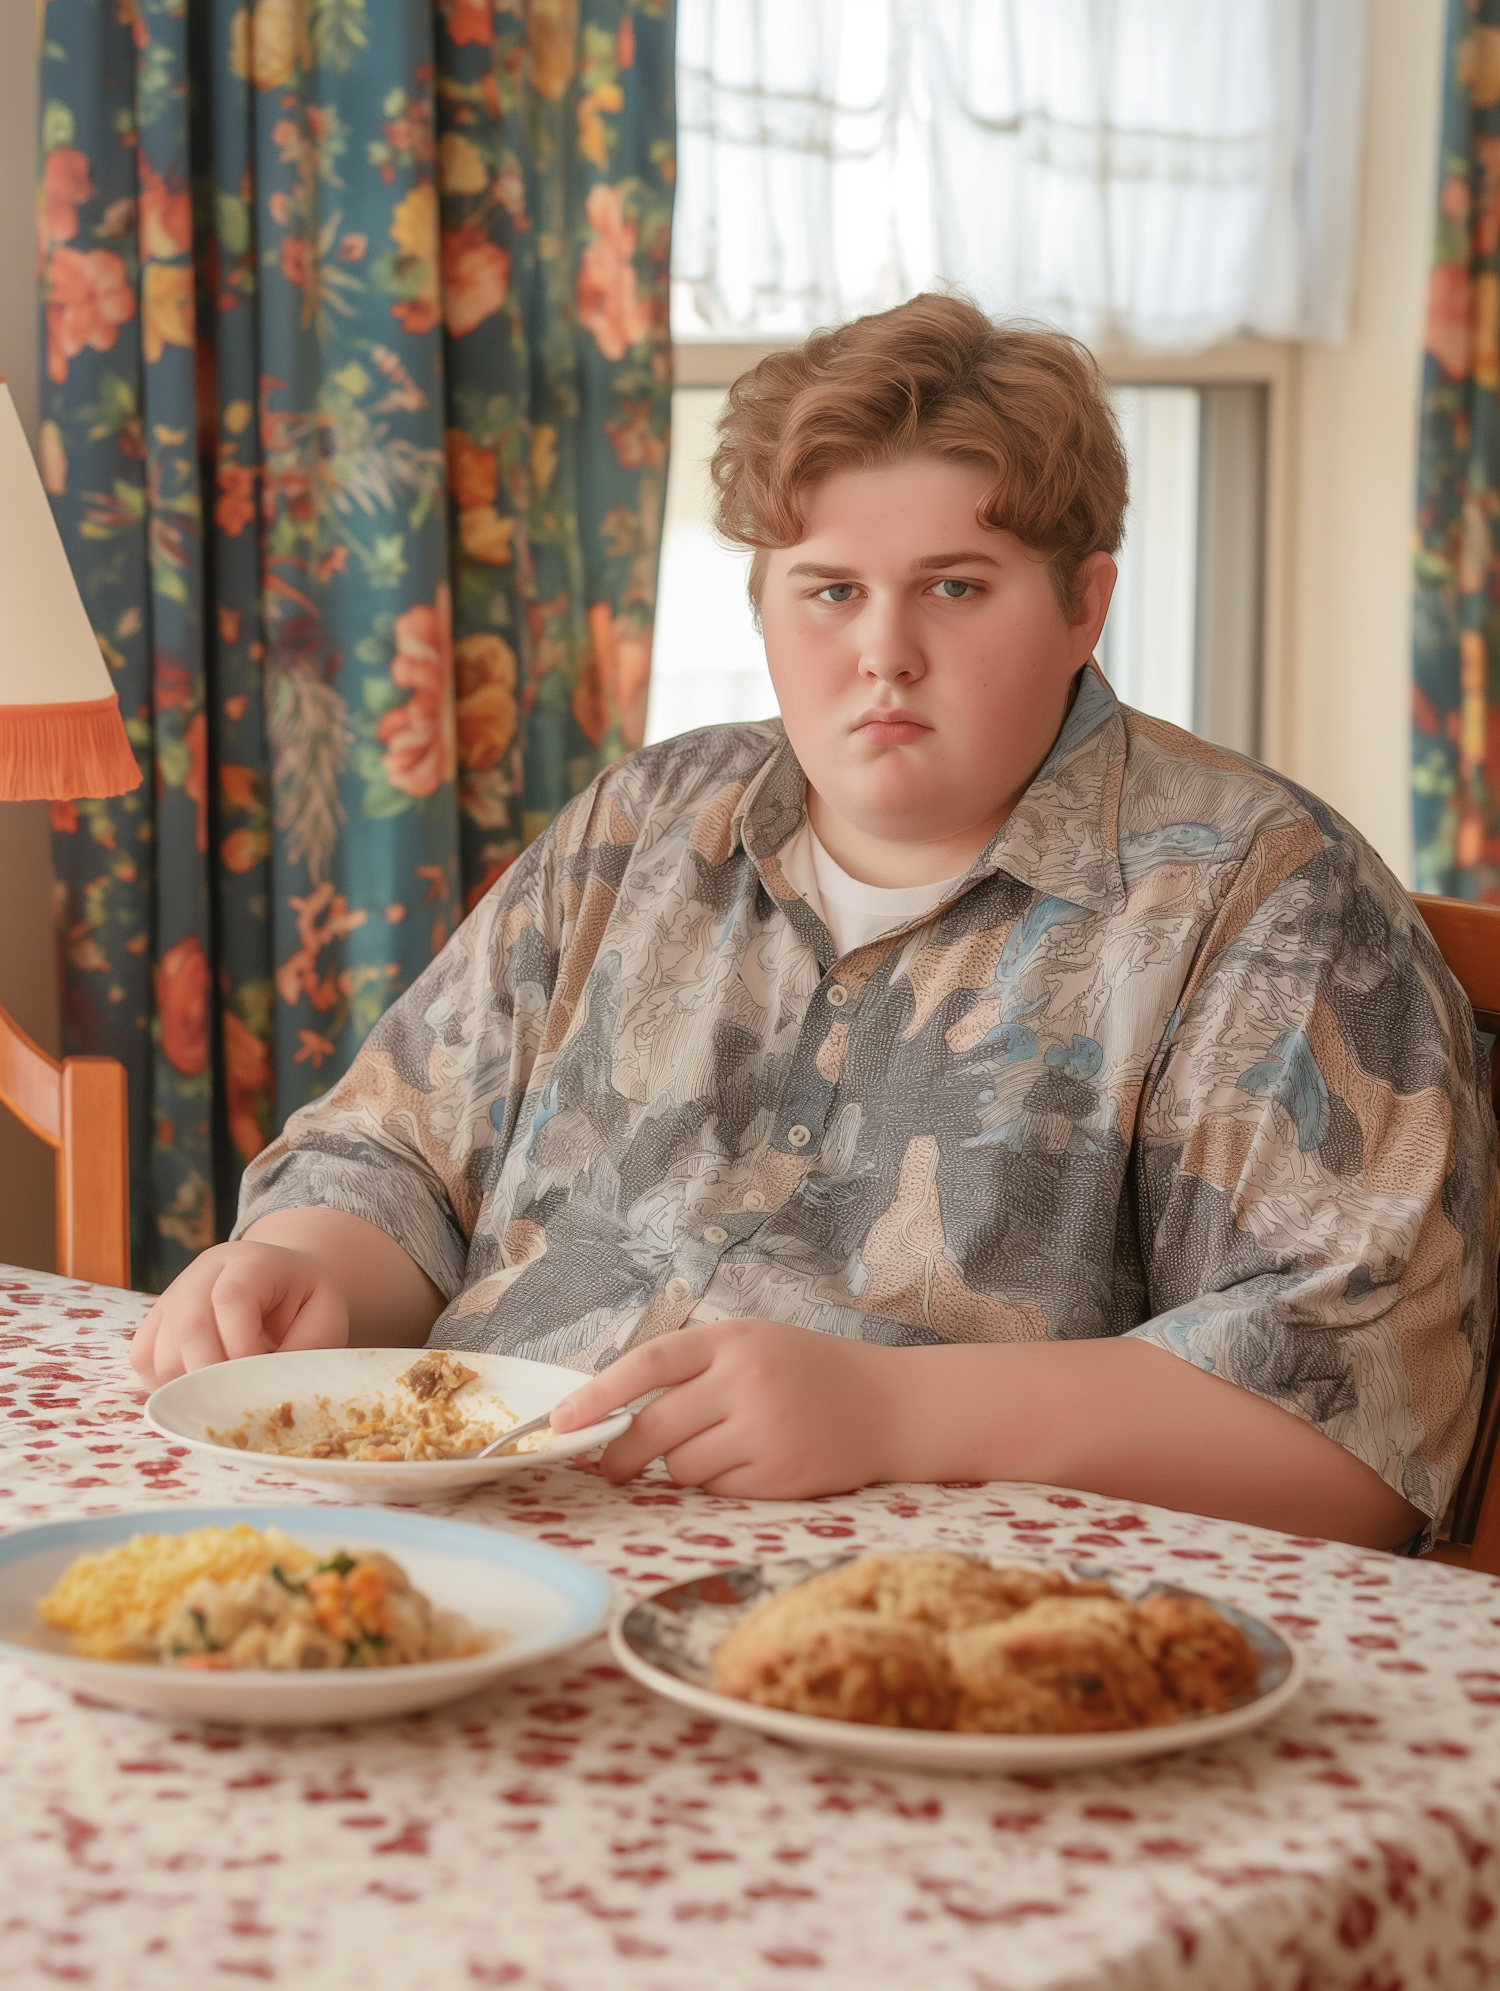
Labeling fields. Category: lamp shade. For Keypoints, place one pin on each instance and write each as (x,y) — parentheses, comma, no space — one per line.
(61,733)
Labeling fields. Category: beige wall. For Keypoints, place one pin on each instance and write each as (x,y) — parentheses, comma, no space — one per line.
(28,983)
(1341,711)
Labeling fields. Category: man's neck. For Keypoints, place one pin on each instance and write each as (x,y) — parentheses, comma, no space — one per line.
(891,862)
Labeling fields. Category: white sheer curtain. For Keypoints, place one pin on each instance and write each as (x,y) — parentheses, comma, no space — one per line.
(1158,173)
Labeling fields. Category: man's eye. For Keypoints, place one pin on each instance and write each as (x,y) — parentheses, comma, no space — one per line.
(955,590)
(837,591)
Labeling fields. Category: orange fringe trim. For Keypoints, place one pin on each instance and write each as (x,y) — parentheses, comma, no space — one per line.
(52,753)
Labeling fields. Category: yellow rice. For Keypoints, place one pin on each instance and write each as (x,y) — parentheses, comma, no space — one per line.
(114,1601)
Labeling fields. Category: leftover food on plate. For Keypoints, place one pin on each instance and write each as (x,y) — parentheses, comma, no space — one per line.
(943,1641)
(243,1599)
(425,1421)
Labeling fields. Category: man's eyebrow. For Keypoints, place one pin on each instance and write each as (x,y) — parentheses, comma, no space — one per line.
(928,563)
(934,563)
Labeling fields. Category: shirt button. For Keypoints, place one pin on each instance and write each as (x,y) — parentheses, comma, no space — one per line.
(678,1289)
(754,1200)
(799,1136)
(716,1234)
(838,995)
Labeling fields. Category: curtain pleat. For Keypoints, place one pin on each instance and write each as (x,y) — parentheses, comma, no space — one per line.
(1456,635)
(357,400)
(235,640)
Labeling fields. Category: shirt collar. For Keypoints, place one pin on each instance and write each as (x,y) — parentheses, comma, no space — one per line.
(774,805)
(771,811)
(1063,836)
(1061,839)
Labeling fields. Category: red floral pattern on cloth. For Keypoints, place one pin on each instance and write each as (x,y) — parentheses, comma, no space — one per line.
(567,1829)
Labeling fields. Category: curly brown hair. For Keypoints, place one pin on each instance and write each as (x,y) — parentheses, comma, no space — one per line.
(933,377)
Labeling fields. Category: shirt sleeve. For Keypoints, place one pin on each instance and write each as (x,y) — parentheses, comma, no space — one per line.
(1316,1172)
(413,1134)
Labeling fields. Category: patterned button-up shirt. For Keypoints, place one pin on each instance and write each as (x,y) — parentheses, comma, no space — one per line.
(1175,1059)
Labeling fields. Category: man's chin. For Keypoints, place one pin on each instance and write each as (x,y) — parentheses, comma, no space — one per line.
(901,817)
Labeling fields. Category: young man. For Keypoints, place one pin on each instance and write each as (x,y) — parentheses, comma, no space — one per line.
(966,1079)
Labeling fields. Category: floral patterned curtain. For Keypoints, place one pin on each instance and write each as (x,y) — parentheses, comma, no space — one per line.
(1456,718)
(356,395)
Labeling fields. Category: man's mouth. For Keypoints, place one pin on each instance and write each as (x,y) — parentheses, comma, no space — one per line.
(890,729)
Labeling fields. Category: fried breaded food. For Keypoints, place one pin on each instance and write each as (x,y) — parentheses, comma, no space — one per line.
(947,1592)
(846,1665)
(1206,1663)
(935,1640)
(1066,1666)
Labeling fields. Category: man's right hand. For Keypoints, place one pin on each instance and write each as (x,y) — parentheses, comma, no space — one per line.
(240,1299)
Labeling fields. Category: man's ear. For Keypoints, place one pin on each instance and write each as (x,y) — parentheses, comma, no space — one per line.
(1095,585)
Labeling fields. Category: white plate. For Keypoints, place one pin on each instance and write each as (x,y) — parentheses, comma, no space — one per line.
(218,1398)
(667,1641)
(542,1601)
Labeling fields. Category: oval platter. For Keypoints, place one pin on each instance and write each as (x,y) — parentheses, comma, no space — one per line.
(667,1639)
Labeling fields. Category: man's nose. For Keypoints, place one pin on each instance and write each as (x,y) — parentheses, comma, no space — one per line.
(889,651)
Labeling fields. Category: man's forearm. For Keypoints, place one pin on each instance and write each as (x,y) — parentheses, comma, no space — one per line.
(1121,1417)
(392,1302)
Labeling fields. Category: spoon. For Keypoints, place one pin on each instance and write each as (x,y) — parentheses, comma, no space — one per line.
(509,1437)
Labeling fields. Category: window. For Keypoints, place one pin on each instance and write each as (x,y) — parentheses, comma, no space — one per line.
(1163,174)
(708,664)
(1184,635)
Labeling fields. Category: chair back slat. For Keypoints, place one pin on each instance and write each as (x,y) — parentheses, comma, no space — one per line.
(30,1082)
(79,1108)
(93,1173)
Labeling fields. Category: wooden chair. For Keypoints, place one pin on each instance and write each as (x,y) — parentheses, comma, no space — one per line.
(1468,938)
(78,1108)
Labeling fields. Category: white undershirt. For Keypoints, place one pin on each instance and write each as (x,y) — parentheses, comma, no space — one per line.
(854,913)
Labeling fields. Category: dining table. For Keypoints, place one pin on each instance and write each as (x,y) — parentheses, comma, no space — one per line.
(567,1829)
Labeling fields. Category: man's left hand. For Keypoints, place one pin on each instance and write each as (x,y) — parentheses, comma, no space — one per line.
(749,1407)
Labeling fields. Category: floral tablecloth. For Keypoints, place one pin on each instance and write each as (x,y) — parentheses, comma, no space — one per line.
(568,1831)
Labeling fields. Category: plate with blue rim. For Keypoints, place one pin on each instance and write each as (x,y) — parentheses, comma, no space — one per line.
(529,1602)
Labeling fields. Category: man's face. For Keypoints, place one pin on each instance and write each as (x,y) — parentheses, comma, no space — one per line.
(921,660)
